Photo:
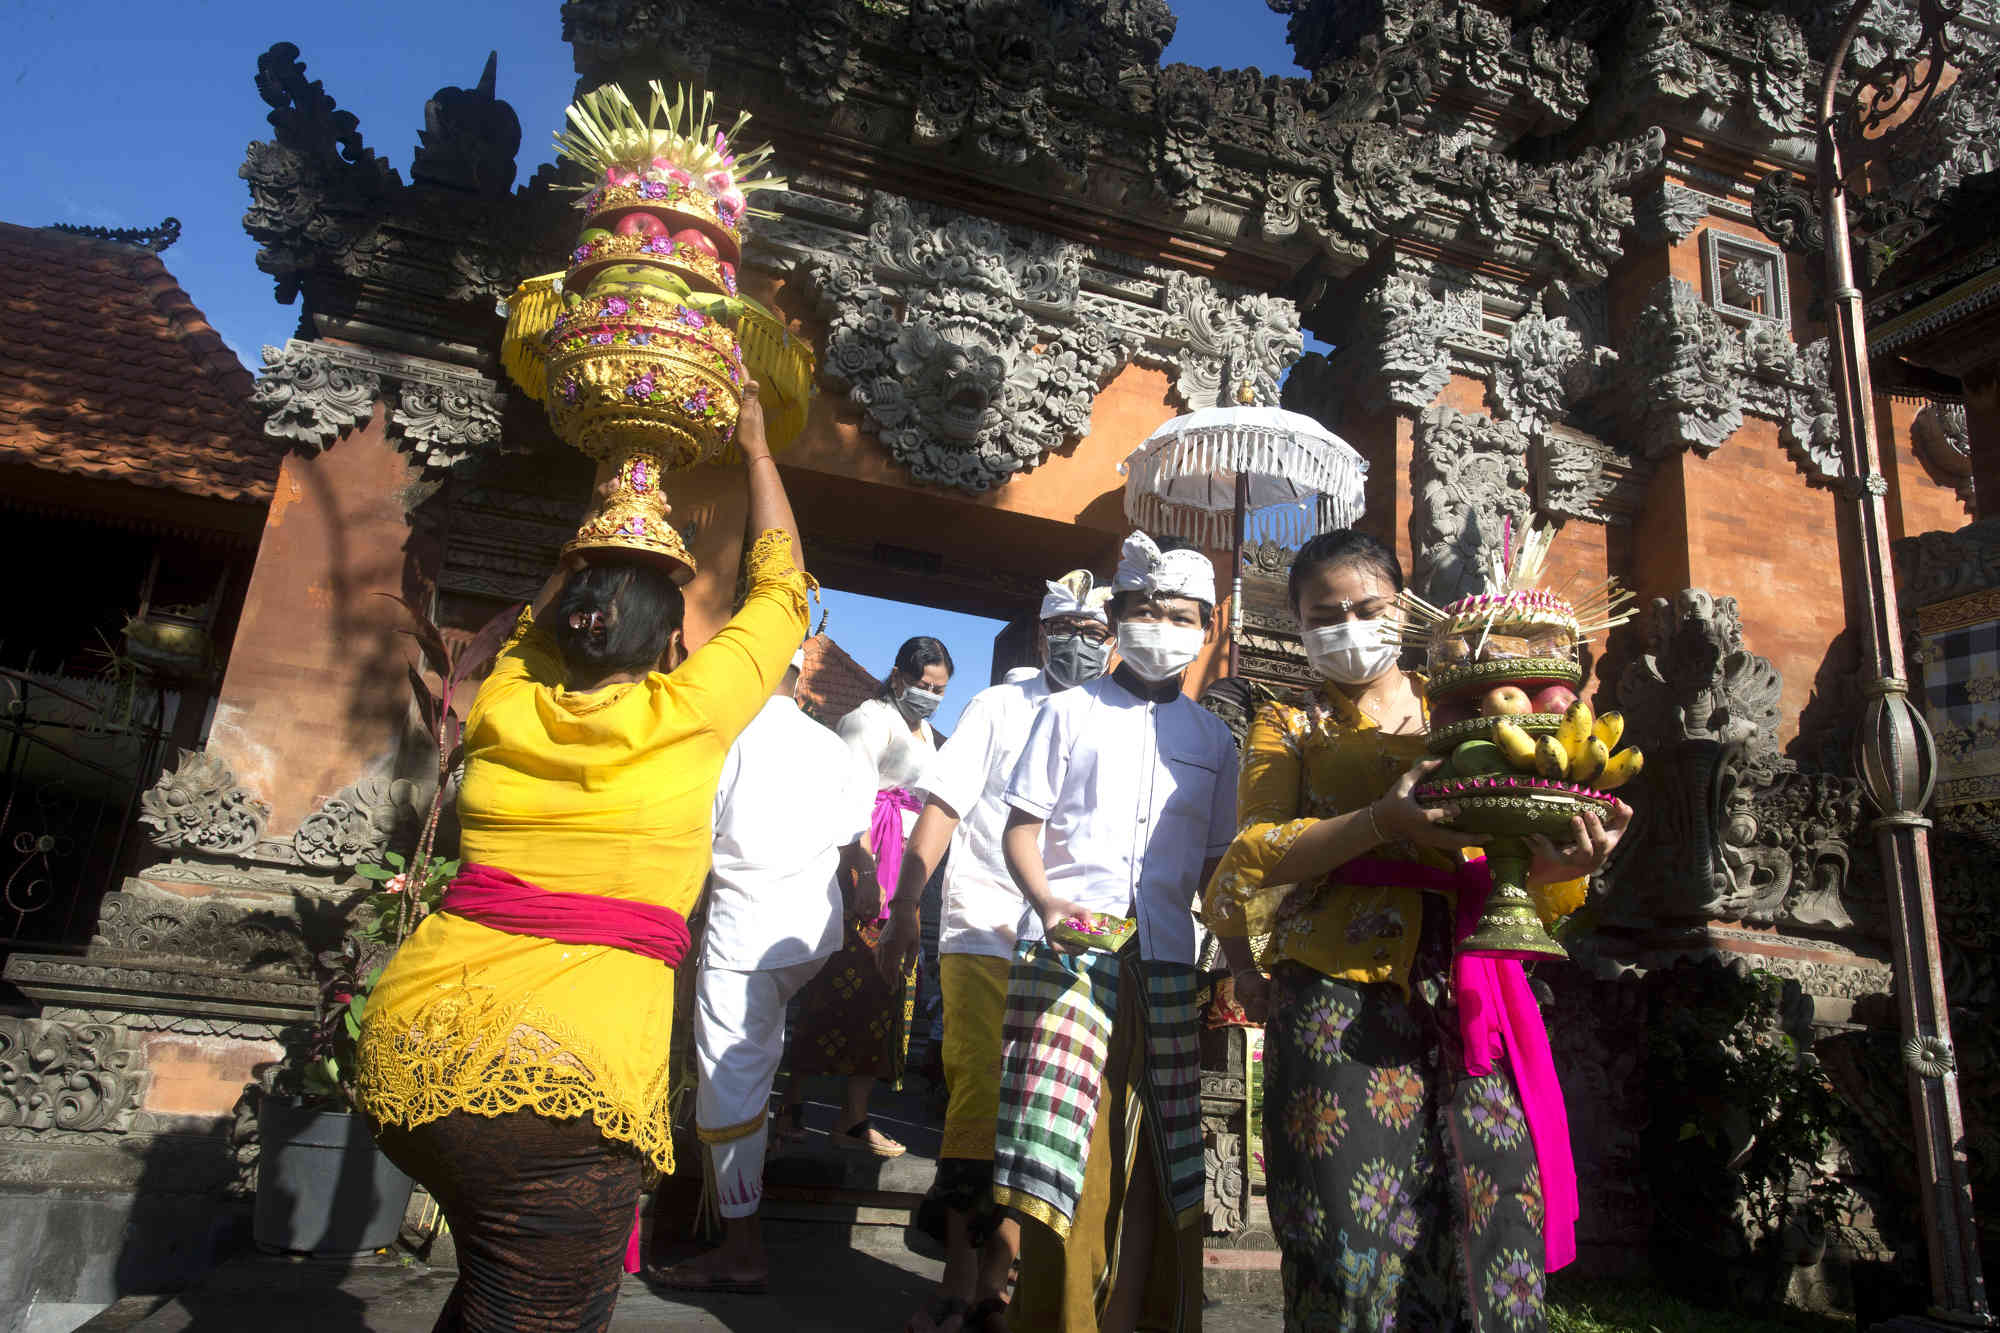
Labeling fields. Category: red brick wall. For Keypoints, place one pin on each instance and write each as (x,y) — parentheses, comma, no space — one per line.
(317,695)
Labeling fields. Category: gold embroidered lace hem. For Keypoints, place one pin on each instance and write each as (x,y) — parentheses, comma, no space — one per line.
(458,1055)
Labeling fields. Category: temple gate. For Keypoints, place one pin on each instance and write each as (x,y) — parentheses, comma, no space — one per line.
(1534,237)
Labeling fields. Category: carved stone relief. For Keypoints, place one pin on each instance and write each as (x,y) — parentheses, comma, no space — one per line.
(1705,709)
(65,1076)
(1578,475)
(358,824)
(310,393)
(1471,478)
(1411,329)
(216,928)
(1690,375)
(1943,446)
(975,350)
(200,805)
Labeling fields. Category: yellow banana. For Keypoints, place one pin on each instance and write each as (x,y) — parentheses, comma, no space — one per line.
(1573,734)
(1550,761)
(1516,744)
(1610,729)
(1620,769)
(1595,757)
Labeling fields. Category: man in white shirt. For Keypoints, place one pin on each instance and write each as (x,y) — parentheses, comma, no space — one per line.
(964,790)
(1123,801)
(790,810)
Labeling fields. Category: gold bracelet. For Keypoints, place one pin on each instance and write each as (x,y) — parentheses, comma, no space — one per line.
(1376,824)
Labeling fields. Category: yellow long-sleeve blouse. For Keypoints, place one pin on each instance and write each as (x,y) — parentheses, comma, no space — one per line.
(1301,765)
(607,792)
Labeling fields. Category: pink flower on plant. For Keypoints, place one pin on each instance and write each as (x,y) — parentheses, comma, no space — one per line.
(396,884)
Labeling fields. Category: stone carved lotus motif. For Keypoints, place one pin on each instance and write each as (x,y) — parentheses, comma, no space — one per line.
(200,805)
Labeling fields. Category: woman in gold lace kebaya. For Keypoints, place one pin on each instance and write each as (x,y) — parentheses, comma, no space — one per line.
(514,1053)
(1414,1134)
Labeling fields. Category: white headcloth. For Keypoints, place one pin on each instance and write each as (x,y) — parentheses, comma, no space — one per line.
(799,659)
(1144,568)
(1075,594)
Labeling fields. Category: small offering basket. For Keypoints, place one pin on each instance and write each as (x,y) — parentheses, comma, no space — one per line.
(1095,930)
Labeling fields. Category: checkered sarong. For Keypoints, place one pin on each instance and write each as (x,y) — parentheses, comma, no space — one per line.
(1058,1041)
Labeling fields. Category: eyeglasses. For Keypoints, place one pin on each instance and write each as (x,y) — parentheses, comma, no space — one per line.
(1088,630)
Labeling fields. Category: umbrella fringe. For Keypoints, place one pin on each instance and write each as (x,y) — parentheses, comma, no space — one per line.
(1325,470)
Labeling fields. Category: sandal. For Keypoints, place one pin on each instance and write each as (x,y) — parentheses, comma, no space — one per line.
(690,1277)
(943,1315)
(789,1125)
(864,1137)
(979,1318)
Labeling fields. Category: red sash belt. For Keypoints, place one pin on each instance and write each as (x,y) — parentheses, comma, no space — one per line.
(1497,1014)
(506,902)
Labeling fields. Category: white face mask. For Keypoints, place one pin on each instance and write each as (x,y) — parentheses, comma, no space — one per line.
(918,703)
(1156,650)
(1351,652)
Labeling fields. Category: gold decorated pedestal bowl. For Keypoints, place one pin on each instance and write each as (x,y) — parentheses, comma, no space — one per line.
(632,372)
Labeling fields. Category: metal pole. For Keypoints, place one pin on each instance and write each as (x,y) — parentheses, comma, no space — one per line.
(1236,563)
(1896,760)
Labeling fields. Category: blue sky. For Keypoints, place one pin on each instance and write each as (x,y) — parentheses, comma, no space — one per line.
(121,113)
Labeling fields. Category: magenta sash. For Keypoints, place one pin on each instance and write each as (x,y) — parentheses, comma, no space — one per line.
(885,835)
(503,901)
(1497,1014)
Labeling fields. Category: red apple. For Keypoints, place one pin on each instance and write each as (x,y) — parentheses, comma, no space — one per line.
(696,241)
(1554,699)
(1505,701)
(640,223)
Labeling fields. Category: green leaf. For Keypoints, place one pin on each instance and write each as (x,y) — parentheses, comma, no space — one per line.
(353,1023)
(376,873)
(1689,1132)
(395,859)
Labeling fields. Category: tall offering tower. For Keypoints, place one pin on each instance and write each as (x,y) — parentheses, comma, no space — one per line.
(641,348)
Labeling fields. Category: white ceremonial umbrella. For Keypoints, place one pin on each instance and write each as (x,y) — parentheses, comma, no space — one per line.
(1200,475)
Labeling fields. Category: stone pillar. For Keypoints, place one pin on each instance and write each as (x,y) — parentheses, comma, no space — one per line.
(1982,426)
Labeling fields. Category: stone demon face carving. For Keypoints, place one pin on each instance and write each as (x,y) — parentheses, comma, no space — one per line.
(954,367)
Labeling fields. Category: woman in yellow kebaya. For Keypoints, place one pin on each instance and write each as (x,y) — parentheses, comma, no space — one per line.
(514,1053)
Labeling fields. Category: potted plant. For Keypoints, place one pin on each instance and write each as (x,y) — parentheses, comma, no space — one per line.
(323,1186)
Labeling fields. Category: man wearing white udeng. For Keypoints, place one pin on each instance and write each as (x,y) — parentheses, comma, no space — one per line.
(790,810)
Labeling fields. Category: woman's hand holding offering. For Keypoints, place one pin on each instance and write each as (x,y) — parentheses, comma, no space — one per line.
(1584,857)
(1397,816)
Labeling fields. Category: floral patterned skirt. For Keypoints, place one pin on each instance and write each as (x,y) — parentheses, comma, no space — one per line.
(852,1022)
(1403,1192)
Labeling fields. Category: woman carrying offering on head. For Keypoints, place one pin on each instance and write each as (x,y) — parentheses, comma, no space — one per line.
(514,1052)
(853,1023)
(1414,1134)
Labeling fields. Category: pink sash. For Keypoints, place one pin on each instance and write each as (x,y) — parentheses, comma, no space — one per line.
(1497,1014)
(503,901)
(885,835)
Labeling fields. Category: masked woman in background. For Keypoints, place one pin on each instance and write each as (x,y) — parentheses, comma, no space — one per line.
(1414,1134)
(513,1056)
(853,1023)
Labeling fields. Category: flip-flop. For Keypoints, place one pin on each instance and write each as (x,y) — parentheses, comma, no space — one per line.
(678,1278)
(856,1140)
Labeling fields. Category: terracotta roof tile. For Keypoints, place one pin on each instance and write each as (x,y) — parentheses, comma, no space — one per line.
(832,683)
(108,369)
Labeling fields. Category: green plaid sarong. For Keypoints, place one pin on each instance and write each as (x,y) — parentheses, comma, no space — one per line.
(1057,1041)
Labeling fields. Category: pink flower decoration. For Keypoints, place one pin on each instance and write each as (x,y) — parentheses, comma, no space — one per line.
(616,305)
(620,175)
(396,884)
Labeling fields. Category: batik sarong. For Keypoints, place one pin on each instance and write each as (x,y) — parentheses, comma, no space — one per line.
(850,1021)
(1101,1053)
(1404,1192)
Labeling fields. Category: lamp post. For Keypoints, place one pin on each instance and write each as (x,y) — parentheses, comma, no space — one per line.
(1895,755)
